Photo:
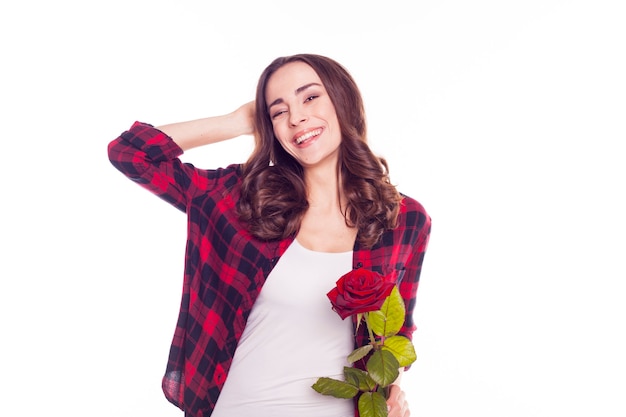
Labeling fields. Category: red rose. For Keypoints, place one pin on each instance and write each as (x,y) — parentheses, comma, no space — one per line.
(359,291)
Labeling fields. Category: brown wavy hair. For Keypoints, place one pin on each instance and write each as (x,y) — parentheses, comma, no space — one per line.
(273,193)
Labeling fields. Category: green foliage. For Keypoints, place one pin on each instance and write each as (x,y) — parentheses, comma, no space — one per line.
(386,353)
(359,353)
(401,348)
(360,378)
(336,388)
(389,319)
(383,367)
(372,404)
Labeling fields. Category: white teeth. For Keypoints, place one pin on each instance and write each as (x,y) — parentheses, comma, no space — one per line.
(308,135)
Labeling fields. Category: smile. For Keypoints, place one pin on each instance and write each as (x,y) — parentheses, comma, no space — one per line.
(302,138)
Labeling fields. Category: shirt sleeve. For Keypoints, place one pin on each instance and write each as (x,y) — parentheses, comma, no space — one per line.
(420,224)
(399,253)
(150,158)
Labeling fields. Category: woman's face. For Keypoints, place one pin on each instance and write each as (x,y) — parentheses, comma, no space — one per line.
(303,116)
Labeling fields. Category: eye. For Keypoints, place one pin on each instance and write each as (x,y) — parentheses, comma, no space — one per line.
(278,114)
(311,98)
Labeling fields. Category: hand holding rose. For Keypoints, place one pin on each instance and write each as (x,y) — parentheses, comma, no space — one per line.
(377,301)
(397,405)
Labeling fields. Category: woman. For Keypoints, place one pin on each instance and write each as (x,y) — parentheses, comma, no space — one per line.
(311,203)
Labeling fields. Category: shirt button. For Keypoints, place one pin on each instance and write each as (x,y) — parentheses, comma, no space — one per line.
(359,264)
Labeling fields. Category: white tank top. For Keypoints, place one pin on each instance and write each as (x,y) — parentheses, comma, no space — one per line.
(292,338)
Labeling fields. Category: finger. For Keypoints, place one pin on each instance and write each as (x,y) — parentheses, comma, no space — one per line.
(398,405)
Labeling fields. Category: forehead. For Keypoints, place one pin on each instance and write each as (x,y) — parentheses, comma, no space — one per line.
(284,82)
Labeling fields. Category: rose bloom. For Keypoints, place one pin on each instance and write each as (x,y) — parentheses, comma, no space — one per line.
(359,291)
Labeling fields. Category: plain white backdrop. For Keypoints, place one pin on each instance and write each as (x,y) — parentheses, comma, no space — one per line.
(506,119)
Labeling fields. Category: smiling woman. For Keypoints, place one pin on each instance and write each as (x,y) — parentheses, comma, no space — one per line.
(303,116)
(311,203)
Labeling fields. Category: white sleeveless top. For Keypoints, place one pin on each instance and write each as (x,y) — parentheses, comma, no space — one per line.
(292,337)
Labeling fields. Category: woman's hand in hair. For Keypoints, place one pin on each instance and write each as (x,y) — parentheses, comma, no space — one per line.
(244,117)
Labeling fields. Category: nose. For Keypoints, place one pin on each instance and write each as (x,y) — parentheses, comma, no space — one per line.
(297,117)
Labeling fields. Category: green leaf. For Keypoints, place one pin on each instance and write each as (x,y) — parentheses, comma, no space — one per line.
(402,349)
(389,319)
(359,353)
(334,387)
(359,378)
(383,367)
(372,404)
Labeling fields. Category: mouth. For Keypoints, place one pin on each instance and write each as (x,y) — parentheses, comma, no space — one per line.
(300,139)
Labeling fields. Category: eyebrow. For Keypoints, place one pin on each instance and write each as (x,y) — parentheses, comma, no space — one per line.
(296,92)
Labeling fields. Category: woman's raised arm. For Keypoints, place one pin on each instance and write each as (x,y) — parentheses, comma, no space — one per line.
(199,132)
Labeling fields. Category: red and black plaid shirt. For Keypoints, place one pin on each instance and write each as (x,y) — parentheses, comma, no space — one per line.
(225,267)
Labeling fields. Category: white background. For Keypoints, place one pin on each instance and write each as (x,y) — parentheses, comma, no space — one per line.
(506,119)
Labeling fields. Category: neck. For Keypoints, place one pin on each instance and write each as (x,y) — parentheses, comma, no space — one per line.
(322,188)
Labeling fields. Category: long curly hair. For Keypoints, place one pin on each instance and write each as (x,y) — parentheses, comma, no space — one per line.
(273,193)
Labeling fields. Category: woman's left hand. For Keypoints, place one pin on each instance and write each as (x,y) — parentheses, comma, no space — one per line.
(397,404)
